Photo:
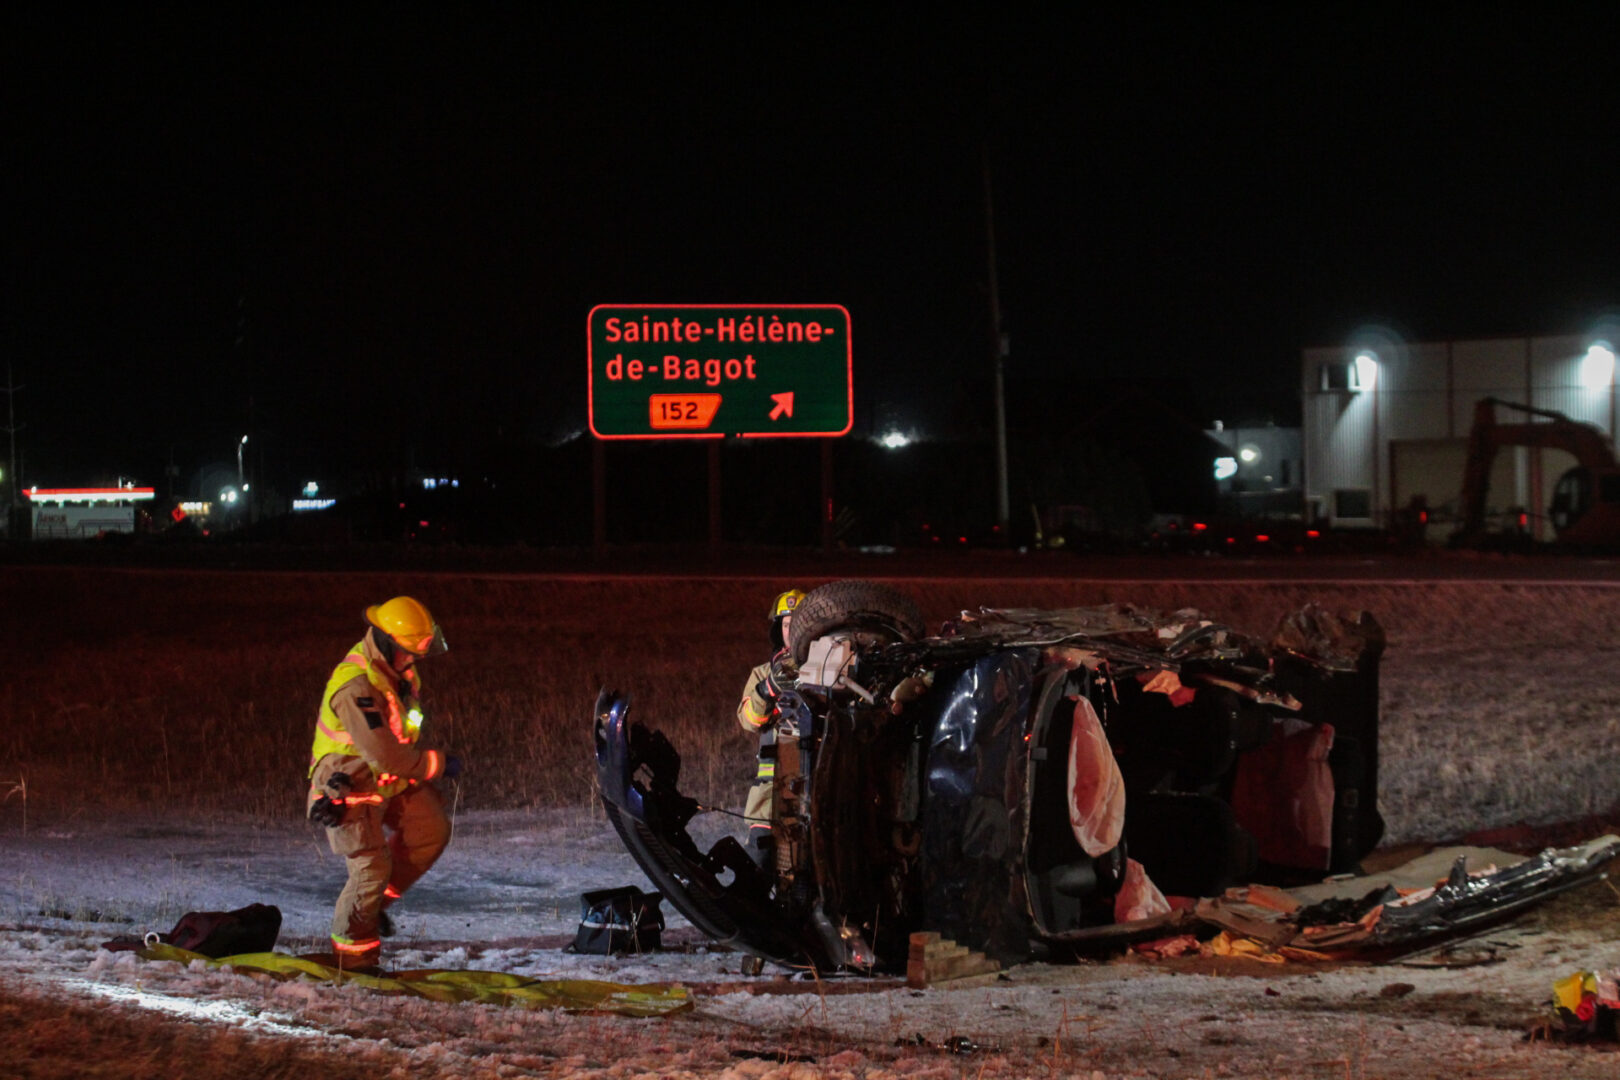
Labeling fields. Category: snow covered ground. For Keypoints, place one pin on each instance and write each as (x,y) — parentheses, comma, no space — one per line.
(1499,703)
(505,897)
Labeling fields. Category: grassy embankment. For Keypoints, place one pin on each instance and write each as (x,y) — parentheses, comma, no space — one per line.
(197,691)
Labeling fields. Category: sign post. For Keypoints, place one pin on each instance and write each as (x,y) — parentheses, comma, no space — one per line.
(712,371)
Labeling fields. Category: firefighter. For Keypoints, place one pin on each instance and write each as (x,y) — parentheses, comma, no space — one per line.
(757,713)
(370,784)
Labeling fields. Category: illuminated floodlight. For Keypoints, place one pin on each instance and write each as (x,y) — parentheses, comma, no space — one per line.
(1365,371)
(90,496)
(227,495)
(1225,468)
(1249,454)
(1597,366)
(894,440)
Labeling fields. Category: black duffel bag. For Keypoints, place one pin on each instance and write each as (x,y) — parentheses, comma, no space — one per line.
(218,933)
(622,920)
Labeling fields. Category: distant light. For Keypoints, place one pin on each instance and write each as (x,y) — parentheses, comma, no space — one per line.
(90,495)
(313,504)
(1312,533)
(1225,468)
(428,483)
(1249,454)
(246,486)
(894,440)
(203,508)
(244,440)
(1199,526)
(1597,367)
(312,489)
(227,495)
(1262,538)
(1366,371)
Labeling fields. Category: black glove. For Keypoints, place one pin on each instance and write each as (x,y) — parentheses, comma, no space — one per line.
(323,811)
(452,767)
(766,691)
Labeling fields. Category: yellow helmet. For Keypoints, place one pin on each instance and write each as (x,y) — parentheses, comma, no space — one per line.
(408,622)
(787,603)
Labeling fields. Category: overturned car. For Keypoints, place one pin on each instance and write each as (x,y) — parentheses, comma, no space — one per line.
(1026,781)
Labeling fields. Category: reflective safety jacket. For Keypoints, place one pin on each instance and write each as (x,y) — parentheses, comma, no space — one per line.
(371,713)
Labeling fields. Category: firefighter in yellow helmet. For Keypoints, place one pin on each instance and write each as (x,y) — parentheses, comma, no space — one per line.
(370,782)
(757,714)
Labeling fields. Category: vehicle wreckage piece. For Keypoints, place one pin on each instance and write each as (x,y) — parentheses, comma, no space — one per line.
(1397,913)
(969,784)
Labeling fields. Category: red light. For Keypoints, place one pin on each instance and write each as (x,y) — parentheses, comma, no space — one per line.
(1423,517)
(1524,521)
(1231,539)
(1174,526)
(422,524)
(177,514)
(961,539)
(1262,538)
(1312,533)
(402,506)
(936,539)
(1199,526)
(995,528)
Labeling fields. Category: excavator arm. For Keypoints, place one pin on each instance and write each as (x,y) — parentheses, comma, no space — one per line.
(1554,430)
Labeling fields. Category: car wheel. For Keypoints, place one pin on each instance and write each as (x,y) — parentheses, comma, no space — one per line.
(853,605)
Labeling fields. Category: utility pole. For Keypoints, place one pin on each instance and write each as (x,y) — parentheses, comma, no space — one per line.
(998,351)
(11,430)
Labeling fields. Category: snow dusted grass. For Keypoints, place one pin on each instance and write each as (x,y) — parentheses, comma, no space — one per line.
(195,692)
(73,1011)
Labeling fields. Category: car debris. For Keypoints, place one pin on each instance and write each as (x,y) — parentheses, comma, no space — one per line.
(1049,783)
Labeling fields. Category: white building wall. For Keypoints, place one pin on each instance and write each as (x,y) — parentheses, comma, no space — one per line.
(1426,393)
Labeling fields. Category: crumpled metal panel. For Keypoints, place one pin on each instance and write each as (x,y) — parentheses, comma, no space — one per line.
(972,817)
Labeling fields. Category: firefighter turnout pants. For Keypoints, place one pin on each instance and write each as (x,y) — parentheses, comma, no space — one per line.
(387,848)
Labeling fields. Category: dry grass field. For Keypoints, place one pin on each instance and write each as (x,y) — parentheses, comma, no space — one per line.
(196,691)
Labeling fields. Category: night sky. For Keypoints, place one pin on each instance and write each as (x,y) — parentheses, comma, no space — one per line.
(381,236)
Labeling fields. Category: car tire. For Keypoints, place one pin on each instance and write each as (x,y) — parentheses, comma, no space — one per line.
(857,605)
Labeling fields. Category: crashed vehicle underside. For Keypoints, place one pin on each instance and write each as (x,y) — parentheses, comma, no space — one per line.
(1040,782)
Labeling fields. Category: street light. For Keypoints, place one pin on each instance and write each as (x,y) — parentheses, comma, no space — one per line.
(1597,367)
(1365,376)
(239,474)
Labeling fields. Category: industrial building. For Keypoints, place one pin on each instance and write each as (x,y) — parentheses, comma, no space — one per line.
(1387,424)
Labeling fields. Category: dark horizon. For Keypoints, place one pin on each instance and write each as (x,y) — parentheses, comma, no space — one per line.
(361,240)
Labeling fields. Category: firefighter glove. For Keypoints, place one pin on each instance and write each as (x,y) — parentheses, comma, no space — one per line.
(326,812)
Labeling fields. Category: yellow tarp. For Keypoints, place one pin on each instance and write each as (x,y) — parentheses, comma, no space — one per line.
(493,987)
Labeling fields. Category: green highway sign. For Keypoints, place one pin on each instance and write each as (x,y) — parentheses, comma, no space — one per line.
(706,371)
